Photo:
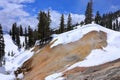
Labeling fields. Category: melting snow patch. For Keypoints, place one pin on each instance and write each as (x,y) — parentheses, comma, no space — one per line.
(56,76)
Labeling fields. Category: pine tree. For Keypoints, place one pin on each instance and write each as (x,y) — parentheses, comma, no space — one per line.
(48,16)
(2,46)
(61,30)
(113,27)
(82,23)
(21,30)
(35,35)
(88,13)
(110,21)
(30,37)
(10,32)
(8,53)
(97,18)
(43,25)
(14,31)
(18,38)
(26,41)
(69,23)
(12,53)
(117,25)
(48,30)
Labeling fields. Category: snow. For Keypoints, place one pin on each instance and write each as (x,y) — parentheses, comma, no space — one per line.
(18,61)
(22,40)
(76,34)
(56,76)
(97,56)
(118,19)
(9,45)
(6,77)
(13,62)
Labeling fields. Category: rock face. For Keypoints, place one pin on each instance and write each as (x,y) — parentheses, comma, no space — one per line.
(50,60)
(108,71)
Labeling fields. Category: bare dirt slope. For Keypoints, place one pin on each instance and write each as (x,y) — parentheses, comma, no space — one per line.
(50,60)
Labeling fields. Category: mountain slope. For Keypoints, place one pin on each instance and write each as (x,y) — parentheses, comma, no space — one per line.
(89,45)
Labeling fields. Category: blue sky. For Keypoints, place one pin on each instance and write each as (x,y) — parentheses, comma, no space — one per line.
(73,6)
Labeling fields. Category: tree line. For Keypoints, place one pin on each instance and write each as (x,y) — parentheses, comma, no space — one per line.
(108,20)
(29,34)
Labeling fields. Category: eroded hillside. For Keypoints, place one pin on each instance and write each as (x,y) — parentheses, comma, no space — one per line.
(51,60)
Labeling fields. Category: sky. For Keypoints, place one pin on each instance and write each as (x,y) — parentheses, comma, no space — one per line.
(75,6)
(25,12)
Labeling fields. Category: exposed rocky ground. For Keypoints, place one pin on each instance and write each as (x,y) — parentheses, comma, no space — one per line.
(108,71)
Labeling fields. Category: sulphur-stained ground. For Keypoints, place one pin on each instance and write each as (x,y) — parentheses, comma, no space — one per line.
(51,60)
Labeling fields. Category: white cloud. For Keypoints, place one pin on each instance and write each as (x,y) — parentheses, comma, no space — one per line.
(13,11)
(55,17)
(76,18)
(25,21)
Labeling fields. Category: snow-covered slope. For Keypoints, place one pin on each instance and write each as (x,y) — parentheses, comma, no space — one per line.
(15,61)
(9,45)
(96,57)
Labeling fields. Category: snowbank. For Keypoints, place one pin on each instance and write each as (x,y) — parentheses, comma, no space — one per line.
(76,34)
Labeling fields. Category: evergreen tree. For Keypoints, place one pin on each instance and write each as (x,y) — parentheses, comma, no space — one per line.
(97,18)
(47,28)
(21,30)
(88,13)
(14,31)
(48,16)
(43,25)
(26,41)
(12,53)
(82,23)
(10,33)
(8,53)
(18,38)
(2,46)
(69,23)
(114,27)
(35,35)
(30,37)
(117,25)
(110,21)
(61,30)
